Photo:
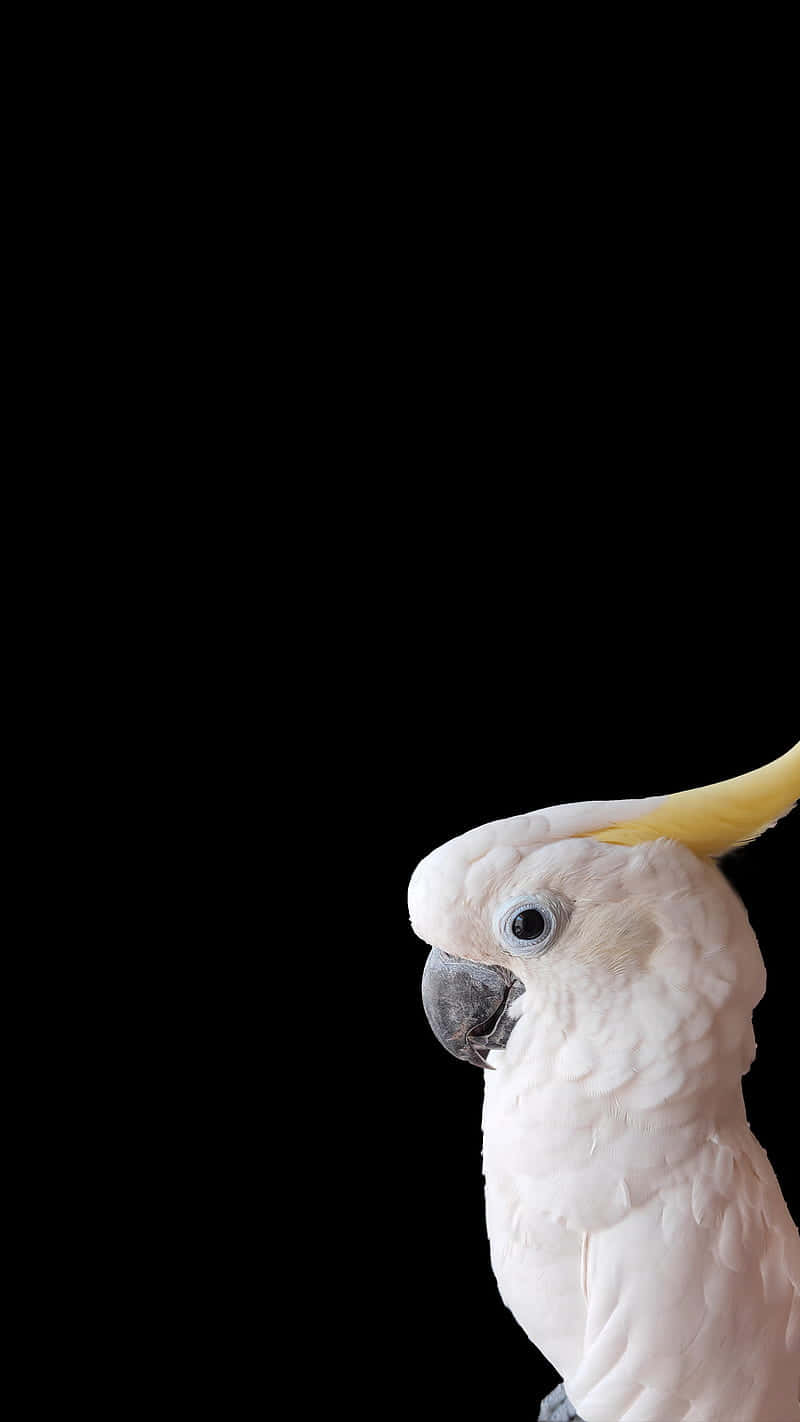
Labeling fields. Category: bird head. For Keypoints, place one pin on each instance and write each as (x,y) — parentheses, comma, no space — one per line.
(595,912)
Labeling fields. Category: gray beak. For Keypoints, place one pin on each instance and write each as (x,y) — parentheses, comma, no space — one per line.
(466,1005)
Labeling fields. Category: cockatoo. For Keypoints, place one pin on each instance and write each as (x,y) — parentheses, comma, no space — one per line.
(596,960)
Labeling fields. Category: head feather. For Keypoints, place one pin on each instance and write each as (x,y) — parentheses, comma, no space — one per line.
(715,818)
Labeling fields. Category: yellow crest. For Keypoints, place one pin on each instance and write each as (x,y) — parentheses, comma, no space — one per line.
(716,818)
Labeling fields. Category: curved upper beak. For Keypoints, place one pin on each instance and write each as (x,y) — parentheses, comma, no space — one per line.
(466,1005)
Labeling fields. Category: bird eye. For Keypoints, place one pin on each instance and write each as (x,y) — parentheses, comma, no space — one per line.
(529,926)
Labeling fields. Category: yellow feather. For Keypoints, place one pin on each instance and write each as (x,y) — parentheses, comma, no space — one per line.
(716,818)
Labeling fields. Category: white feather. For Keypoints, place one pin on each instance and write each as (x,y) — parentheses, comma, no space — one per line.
(638,1232)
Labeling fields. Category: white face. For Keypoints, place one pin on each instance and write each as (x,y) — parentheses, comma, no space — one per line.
(532,907)
(590,930)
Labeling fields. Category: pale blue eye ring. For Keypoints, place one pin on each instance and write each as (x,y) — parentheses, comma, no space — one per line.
(529,926)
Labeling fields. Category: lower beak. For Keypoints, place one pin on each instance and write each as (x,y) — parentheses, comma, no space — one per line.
(466,1005)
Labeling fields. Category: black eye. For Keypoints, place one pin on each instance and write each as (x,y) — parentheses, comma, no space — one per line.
(528,924)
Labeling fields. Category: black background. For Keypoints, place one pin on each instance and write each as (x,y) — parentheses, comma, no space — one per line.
(567,573)
(571,577)
(498,716)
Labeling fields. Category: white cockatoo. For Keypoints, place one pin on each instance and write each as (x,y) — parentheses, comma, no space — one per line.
(597,960)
